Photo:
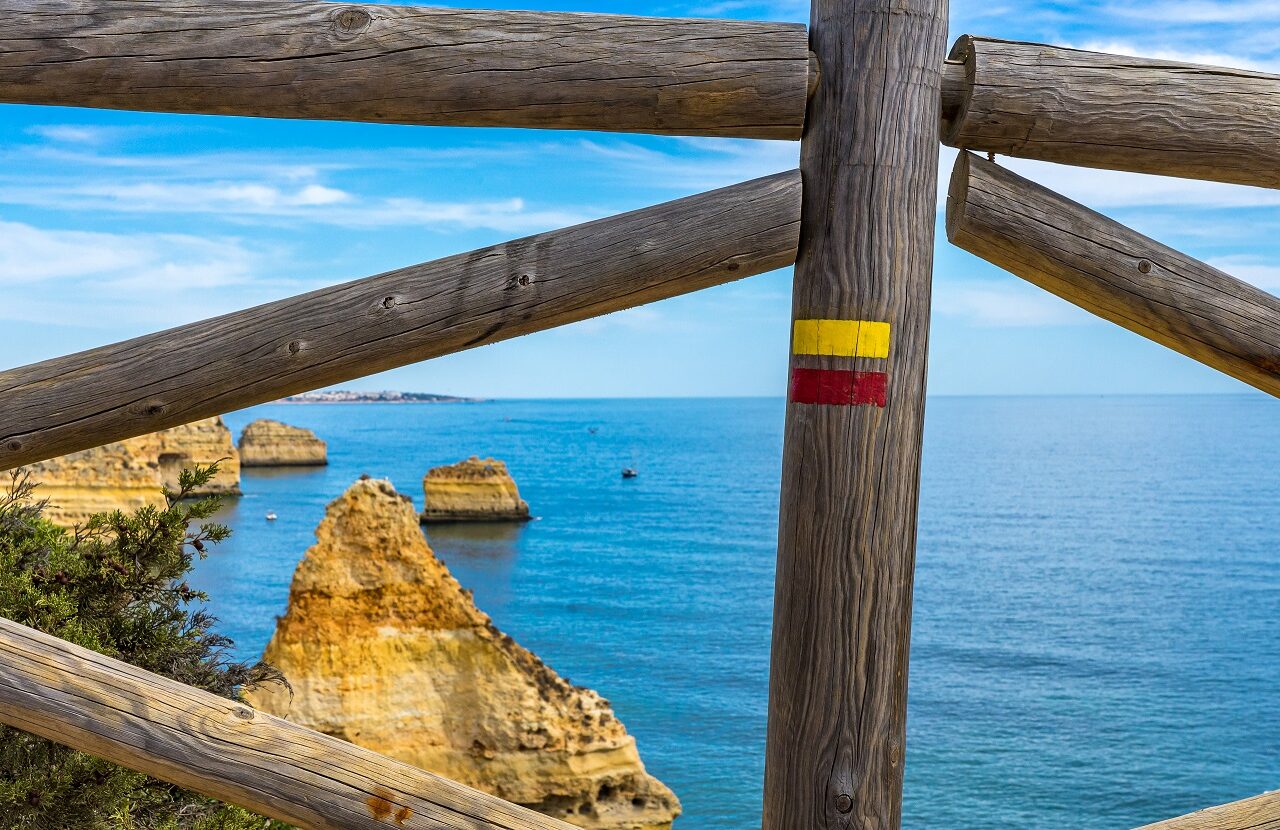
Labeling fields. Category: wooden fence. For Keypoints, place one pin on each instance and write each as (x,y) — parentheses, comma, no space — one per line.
(867,88)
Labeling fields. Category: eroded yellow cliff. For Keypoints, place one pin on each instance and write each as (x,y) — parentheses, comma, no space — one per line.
(124,476)
(130,474)
(201,442)
(385,649)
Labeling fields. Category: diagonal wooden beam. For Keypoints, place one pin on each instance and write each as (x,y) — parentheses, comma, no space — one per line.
(1113,111)
(371,325)
(1262,812)
(1114,272)
(224,749)
(409,65)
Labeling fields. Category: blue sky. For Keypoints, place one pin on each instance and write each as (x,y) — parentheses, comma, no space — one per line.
(116,224)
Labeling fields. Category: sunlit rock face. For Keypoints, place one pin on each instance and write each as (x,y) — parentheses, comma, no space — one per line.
(124,475)
(202,442)
(133,473)
(267,443)
(385,649)
(475,490)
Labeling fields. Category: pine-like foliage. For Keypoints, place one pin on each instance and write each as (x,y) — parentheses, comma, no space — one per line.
(117,586)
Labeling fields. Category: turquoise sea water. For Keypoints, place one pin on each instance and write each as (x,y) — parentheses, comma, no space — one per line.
(1097,629)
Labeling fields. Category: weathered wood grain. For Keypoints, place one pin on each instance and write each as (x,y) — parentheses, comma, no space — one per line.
(846,545)
(1114,112)
(409,65)
(1262,812)
(226,750)
(371,325)
(1114,272)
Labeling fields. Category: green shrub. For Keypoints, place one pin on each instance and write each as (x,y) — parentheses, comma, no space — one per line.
(117,586)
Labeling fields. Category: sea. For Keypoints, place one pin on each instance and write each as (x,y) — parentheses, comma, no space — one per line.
(1096,640)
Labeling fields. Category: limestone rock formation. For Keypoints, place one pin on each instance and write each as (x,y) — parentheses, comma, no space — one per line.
(133,473)
(266,443)
(120,476)
(202,442)
(385,649)
(475,490)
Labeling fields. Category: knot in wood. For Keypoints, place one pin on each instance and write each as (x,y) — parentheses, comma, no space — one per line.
(295,346)
(525,280)
(350,22)
(244,714)
(1144,266)
(844,803)
(13,446)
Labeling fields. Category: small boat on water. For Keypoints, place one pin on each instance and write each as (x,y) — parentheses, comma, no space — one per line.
(271,516)
(630,472)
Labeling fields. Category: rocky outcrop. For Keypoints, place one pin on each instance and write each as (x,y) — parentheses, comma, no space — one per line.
(266,443)
(133,473)
(120,476)
(203,443)
(475,490)
(385,649)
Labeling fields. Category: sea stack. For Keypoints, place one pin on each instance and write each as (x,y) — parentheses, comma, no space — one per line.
(266,443)
(201,442)
(120,476)
(385,649)
(475,490)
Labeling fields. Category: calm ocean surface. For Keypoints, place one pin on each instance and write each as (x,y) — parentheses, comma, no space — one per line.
(1097,625)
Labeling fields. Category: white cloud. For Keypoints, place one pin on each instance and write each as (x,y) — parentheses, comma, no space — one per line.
(105,280)
(1004,305)
(1166,53)
(70,133)
(1200,11)
(1102,189)
(707,163)
(1251,269)
(312,203)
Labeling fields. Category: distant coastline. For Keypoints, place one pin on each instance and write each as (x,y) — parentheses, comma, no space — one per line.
(346,397)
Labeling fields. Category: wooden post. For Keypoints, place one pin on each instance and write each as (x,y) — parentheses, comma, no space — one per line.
(850,482)
(1114,272)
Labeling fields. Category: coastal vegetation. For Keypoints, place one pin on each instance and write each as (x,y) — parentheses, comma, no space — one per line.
(118,585)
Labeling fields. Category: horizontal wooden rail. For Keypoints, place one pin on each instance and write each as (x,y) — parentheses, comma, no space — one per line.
(409,65)
(1114,112)
(335,334)
(226,750)
(1114,272)
(1262,812)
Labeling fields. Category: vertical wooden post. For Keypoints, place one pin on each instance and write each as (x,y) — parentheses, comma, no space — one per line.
(851,468)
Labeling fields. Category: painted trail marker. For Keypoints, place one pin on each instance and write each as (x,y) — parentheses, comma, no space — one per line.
(845,339)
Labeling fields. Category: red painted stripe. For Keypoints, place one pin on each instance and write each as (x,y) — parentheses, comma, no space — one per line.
(839,387)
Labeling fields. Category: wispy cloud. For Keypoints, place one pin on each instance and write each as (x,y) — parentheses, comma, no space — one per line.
(695,163)
(1206,57)
(1111,189)
(1198,11)
(1009,304)
(313,203)
(107,280)
(1252,269)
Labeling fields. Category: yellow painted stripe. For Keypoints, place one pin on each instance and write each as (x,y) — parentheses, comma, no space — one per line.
(841,338)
